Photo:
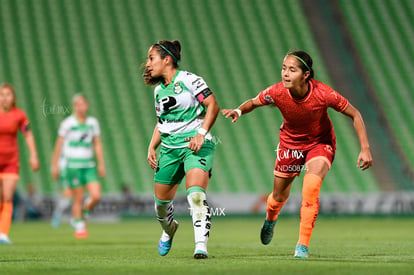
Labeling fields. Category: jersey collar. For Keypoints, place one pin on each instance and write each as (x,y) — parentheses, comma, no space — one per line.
(172,81)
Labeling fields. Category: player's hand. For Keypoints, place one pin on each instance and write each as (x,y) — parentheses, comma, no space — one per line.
(230,113)
(55,172)
(34,163)
(364,159)
(196,143)
(101,170)
(152,159)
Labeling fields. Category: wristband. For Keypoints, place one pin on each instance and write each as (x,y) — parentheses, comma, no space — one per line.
(238,111)
(202,131)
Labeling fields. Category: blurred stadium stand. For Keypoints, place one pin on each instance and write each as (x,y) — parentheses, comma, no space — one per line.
(53,49)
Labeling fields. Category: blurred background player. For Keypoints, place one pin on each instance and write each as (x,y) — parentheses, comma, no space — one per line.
(64,200)
(79,138)
(306,140)
(12,120)
(186,111)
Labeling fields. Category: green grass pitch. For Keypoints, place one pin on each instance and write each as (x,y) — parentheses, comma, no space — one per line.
(342,245)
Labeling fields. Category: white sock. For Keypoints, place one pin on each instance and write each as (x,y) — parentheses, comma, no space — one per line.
(165,215)
(61,204)
(201,216)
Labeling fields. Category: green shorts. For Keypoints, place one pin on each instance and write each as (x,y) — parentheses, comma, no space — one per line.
(78,177)
(173,164)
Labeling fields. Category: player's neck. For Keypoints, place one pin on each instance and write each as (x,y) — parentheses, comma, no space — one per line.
(169,76)
(300,92)
(81,119)
(5,110)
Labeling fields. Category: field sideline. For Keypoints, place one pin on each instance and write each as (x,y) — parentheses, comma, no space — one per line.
(356,245)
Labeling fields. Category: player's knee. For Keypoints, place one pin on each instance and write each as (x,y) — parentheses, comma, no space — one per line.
(278,197)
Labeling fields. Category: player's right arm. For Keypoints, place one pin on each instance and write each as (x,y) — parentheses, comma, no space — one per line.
(245,108)
(56,156)
(155,142)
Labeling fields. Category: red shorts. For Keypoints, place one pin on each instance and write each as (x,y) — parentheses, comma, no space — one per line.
(9,171)
(290,163)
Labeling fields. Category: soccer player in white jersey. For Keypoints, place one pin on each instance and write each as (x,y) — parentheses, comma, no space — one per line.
(79,138)
(186,110)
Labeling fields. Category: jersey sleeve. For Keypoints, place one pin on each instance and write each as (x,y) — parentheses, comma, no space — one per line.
(198,87)
(336,101)
(266,96)
(96,130)
(24,124)
(63,128)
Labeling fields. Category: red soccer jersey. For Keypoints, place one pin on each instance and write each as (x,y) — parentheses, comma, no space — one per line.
(10,123)
(305,121)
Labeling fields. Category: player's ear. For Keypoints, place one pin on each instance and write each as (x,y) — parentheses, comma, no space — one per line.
(306,75)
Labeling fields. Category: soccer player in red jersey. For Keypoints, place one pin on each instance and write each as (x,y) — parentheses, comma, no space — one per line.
(12,119)
(306,140)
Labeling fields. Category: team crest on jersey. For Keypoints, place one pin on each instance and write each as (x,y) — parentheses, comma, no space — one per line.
(269,99)
(177,88)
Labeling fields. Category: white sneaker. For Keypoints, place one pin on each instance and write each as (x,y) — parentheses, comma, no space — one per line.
(4,239)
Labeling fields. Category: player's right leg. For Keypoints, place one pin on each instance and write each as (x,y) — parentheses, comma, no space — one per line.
(164,210)
(168,175)
(8,185)
(287,167)
(275,202)
(63,201)
(76,184)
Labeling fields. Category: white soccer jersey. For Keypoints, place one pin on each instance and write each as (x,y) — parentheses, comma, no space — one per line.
(78,146)
(179,109)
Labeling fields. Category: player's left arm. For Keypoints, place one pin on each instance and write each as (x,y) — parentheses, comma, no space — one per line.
(364,159)
(211,115)
(28,136)
(97,144)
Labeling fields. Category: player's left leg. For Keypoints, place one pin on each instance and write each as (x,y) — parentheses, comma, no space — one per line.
(8,185)
(78,222)
(198,167)
(95,193)
(197,181)
(312,181)
(94,189)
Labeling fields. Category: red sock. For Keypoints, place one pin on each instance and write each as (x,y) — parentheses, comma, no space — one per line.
(310,207)
(6,217)
(273,208)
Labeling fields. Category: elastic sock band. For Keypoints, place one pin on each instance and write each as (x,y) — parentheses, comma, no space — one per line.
(161,202)
(193,189)
(301,60)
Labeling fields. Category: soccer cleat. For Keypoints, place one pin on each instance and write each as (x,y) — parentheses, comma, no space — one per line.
(266,234)
(81,234)
(164,247)
(4,239)
(200,254)
(55,223)
(81,230)
(301,251)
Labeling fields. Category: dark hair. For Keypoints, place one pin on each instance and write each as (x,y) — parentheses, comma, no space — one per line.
(164,48)
(305,62)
